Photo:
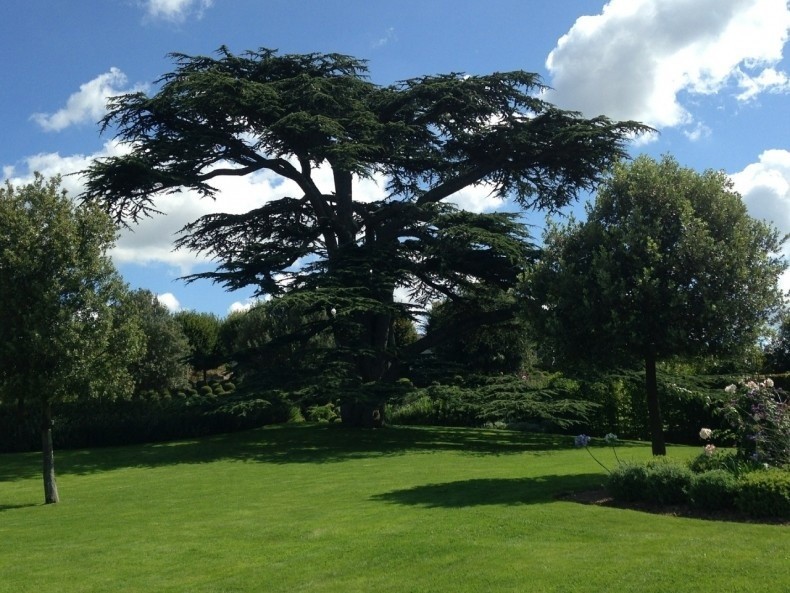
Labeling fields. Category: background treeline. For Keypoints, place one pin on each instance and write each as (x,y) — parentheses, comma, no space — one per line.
(198,374)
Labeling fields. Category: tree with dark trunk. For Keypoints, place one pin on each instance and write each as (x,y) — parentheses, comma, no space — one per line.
(304,118)
(668,264)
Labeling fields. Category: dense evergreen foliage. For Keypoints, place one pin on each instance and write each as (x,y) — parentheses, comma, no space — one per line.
(334,254)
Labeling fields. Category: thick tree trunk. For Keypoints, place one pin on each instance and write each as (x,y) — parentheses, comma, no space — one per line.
(653,405)
(48,454)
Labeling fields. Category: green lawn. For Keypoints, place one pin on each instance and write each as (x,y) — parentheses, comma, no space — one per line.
(321,509)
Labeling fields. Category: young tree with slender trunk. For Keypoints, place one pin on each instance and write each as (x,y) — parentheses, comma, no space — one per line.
(61,333)
(668,264)
(326,247)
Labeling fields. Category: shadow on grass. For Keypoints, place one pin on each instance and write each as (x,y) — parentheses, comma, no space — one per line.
(315,444)
(10,507)
(491,491)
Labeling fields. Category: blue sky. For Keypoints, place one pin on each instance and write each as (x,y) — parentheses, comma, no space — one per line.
(711,75)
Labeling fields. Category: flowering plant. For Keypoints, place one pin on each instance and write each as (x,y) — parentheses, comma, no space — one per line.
(583,440)
(759,413)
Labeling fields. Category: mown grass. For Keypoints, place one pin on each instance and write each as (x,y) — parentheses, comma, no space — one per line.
(322,509)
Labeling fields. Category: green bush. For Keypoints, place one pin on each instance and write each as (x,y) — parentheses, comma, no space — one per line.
(206,390)
(765,494)
(659,481)
(628,482)
(729,461)
(668,481)
(713,490)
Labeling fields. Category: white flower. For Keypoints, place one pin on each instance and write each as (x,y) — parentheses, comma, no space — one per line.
(710,449)
(768,383)
(751,386)
(730,388)
(705,434)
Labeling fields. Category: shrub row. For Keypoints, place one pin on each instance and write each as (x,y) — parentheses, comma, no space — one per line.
(759,493)
(122,422)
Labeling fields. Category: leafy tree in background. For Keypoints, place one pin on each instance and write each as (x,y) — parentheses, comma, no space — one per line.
(334,254)
(502,348)
(62,333)
(777,350)
(273,345)
(668,263)
(202,334)
(163,364)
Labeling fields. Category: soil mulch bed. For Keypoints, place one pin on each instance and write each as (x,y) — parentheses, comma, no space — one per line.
(602,498)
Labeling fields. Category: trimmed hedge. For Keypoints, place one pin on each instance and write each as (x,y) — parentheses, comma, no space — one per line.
(713,490)
(659,481)
(759,493)
(765,494)
(100,423)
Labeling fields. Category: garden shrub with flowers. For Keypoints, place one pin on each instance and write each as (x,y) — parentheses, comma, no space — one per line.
(759,414)
(753,480)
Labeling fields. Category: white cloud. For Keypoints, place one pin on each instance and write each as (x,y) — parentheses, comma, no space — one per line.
(698,131)
(765,187)
(176,10)
(88,105)
(244,306)
(388,37)
(476,198)
(170,301)
(637,58)
(769,80)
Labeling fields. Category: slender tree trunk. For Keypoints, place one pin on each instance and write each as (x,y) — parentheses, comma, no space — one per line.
(653,405)
(48,455)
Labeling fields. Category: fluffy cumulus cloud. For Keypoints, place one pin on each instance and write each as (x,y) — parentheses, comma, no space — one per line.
(638,59)
(765,187)
(88,105)
(170,301)
(176,10)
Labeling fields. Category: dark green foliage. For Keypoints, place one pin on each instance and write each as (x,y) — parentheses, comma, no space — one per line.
(503,347)
(713,490)
(765,494)
(777,351)
(103,423)
(544,403)
(325,249)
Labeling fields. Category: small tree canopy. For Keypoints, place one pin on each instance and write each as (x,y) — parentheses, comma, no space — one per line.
(668,263)
(62,335)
